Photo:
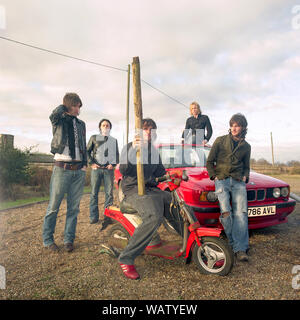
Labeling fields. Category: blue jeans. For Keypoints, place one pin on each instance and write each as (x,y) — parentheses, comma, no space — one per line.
(63,181)
(97,176)
(236,223)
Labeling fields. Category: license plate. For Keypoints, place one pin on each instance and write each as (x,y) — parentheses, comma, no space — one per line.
(261,211)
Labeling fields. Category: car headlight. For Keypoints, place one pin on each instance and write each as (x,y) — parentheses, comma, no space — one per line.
(284,191)
(211,196)
(276,192)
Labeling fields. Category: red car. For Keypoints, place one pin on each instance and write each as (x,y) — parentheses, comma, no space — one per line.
(268,198)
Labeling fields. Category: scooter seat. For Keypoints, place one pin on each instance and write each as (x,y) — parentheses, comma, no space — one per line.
(125,207)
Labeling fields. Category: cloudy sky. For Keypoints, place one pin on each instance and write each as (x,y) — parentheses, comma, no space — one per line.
(231,56)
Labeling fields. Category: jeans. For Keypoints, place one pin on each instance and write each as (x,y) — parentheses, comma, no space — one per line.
(236,223)
(151,207)
(63,181)
(97,176)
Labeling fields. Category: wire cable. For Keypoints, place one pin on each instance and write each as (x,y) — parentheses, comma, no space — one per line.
(94,63)
(91,62)
(61,54)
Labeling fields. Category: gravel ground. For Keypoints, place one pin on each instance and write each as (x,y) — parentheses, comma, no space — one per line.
(90,273)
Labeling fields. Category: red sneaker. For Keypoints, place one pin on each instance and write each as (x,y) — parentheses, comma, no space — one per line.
(129,271)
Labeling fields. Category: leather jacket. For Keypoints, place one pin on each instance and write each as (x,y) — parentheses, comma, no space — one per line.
(98,142)
(60,136)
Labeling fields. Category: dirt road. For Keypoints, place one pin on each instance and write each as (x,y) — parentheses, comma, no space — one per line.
(90,273)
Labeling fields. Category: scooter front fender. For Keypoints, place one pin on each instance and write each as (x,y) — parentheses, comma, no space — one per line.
(190,243)
(208,232)
(197,234)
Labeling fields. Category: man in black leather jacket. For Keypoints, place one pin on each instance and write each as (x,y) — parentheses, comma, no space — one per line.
(68,176)
(103,155)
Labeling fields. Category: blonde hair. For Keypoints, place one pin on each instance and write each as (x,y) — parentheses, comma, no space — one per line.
(194,103)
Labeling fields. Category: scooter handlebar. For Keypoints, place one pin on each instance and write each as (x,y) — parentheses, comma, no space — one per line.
(163,178)
(167,176)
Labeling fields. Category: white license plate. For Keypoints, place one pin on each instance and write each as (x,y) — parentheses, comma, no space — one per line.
(261,211)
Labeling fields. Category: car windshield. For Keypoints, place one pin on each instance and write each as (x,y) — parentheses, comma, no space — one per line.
(183,156)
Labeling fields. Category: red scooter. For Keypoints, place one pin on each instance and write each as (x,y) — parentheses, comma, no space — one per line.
(211,253)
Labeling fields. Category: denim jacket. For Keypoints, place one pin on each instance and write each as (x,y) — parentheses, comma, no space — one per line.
(60,136)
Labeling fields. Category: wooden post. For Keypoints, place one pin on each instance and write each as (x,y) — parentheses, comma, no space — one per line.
(272,150)
(138,111)
(127,106)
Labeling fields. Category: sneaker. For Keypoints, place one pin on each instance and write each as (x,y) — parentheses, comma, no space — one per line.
(242,256)
(52,247)
(69,247)
(129,271)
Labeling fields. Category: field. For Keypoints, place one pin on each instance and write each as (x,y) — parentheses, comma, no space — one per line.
(91,273)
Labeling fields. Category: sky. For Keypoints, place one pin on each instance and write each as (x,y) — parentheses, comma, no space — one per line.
(230,56)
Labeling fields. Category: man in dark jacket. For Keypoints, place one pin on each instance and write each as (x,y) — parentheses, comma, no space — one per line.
(68,176)
(103,155)
(198,129)
(228,164)
(153,205)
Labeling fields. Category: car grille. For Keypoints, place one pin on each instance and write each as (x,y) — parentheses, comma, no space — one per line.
(251,195)
(270,193)
(258,195)
(261,194)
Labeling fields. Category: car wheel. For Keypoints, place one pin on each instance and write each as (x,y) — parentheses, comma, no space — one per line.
(214,256)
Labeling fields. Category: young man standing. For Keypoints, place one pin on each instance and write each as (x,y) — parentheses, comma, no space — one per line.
(69,148)
(228,164)
(196,125)
(103,154)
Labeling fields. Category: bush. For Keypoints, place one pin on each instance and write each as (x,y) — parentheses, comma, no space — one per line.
(14,169)
(40,180)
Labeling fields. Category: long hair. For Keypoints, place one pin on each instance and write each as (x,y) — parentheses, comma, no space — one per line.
(194,103)
(241,120)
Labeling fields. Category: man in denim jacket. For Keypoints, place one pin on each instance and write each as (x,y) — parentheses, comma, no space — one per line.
(68,176)
(228,164)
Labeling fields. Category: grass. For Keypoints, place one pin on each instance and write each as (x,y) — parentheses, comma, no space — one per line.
(293,180)
(20,202)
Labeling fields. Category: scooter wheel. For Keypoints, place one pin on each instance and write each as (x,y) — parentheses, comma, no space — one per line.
(118,236)
(214,256)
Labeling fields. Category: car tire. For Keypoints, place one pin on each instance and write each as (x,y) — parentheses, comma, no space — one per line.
(222,257)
